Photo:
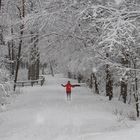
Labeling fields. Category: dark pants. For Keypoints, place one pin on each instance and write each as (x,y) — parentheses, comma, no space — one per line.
(68,95)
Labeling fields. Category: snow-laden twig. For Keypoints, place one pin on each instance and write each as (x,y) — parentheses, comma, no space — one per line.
(3,89)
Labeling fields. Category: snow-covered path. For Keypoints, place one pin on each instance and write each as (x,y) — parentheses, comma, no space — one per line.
(42,113)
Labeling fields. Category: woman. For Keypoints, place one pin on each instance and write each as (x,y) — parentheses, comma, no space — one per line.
(68,89)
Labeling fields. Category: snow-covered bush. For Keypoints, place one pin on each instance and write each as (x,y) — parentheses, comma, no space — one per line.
(125,113)
(132,115)
(119,114)
(5,86)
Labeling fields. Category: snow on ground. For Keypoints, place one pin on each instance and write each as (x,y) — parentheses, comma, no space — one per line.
(42,113)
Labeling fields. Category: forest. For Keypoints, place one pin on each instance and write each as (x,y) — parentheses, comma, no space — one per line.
(96,42)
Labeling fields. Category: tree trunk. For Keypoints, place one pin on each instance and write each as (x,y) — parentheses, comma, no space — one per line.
(22,15)
(18,62)
(91,81)
(124,84)
(13,59)
(51,69)
(43,69)
(95,83)
(109,82)
(1,36)
(34,65)
(69,75)
(37,67)
(12,54)
(124,90)
(137,104)
(136,92)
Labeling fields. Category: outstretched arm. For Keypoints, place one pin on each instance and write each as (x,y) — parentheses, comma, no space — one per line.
(76,85)
(62,85)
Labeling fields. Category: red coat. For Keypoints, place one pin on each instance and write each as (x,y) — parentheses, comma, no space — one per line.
(68,87)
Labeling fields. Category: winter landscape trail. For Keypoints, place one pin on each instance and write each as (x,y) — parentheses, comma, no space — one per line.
(42,113)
